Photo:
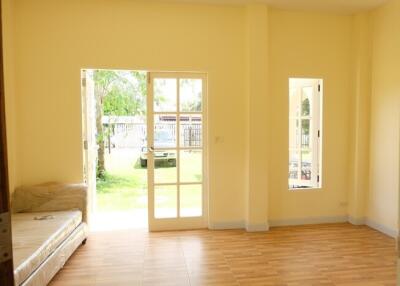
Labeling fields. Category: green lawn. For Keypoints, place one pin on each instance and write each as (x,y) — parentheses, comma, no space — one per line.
(125,185)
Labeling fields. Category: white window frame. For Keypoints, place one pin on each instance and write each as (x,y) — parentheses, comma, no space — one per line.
(315,145)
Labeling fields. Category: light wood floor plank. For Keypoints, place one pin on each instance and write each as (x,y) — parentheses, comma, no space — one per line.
(320,255)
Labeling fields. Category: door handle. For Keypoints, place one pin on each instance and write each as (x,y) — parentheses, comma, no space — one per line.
(151,149)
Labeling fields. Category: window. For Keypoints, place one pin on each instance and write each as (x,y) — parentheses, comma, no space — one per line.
(305,134)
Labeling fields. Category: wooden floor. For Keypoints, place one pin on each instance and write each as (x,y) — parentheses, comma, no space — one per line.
(336,254)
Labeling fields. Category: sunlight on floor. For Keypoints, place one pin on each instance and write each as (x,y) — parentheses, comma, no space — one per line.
(107,221)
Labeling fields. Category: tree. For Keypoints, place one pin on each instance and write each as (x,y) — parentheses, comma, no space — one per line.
(305,111)
(305,107)
(118,93)
(127,95)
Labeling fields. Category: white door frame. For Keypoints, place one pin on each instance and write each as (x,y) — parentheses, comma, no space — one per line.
(179,223)
(89,137)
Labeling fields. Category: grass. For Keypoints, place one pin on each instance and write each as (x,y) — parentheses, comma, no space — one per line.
(125,184)
(119,192)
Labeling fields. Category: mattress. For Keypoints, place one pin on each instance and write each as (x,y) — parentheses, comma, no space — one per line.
(36,236)
(48,269)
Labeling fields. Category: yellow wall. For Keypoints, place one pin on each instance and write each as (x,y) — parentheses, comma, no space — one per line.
(55,39)
(385,116)
(10,88)
(360,117)
(256,192)
(318,46)
(249,53)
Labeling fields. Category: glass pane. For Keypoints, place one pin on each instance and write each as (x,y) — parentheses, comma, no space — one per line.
(293,164)
(165,94)
(294,133)
(294,108)
(190,92)
(164,131)
(305,133)
(306,100)
(165,201)
(191,199)
(190,130)
(165,166)
(191,166)
(306,165)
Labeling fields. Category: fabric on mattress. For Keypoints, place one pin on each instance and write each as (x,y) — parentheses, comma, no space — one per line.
(50,197)
(48,269)
(36,235)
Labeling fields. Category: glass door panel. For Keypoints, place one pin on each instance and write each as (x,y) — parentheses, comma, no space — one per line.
(176,151)
(190,130)
(191,200)
(164,131)
(164,90)
(190,95)
(191,166)
(165,171)
(165,201)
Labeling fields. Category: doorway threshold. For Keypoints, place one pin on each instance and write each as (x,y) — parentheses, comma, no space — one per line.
(119,220)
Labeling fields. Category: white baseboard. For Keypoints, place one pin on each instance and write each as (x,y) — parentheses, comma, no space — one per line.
(304,221)
(226,225)
(356,220)
(382,228)
(239,225)
(257,227)
(308,220)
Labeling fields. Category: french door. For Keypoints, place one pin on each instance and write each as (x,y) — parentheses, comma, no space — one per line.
(89,136)
(176,151)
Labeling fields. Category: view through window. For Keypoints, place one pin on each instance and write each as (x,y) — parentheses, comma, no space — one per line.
(305,133)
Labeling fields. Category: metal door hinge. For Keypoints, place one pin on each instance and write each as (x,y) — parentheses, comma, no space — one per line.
(5,237)
(85,144)
(84,82)
(319,88)
(319,133)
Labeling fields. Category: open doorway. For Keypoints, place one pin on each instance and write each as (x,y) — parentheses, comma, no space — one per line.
(115,142)
(145,149)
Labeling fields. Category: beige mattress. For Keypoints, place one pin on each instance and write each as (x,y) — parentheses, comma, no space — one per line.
(36,236)
(48,269)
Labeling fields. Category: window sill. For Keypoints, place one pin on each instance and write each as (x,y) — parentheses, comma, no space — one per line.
(305,189)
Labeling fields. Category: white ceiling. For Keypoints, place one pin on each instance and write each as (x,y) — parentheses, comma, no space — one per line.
(341,6)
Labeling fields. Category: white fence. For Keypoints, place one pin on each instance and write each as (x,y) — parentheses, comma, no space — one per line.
(131,133)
